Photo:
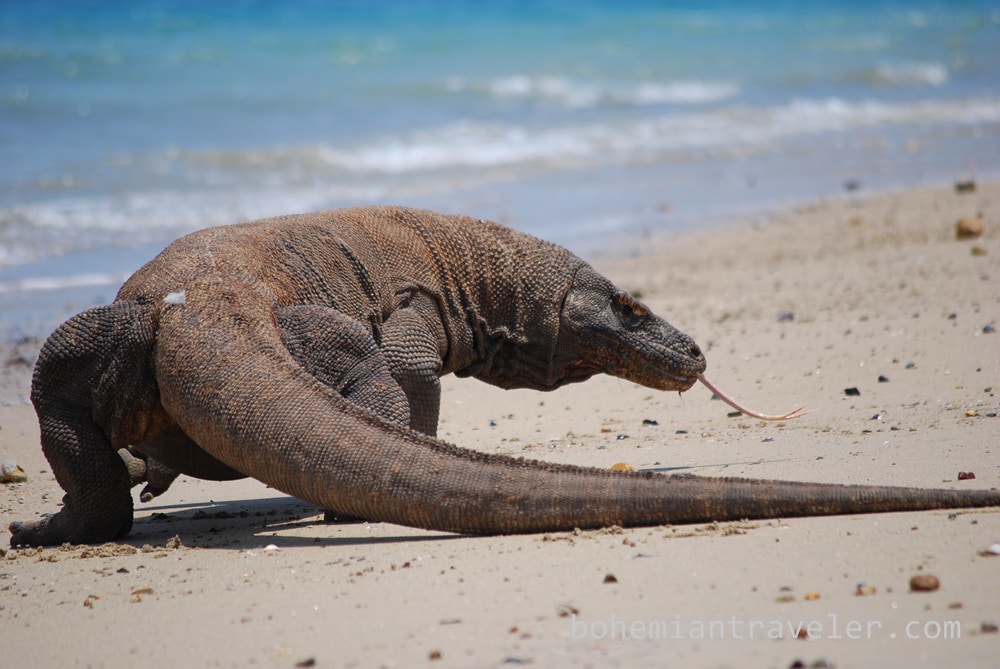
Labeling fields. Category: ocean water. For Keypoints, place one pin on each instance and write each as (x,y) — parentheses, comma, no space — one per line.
(124,125)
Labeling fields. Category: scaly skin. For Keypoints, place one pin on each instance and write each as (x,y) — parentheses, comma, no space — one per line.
(305,351)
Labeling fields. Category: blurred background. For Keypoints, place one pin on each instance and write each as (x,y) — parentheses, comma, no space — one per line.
(587,122)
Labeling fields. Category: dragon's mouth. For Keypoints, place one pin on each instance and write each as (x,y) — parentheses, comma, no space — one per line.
(657,366)
(663,379)
(688,381)
(682,382)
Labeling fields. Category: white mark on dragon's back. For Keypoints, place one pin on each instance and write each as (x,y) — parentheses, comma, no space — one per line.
(176,297)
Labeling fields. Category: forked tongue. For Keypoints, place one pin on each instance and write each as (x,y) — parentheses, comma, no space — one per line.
(794,413)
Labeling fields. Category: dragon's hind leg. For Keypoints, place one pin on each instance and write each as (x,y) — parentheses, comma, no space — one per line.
(158,461)
(143,469)
(94,392)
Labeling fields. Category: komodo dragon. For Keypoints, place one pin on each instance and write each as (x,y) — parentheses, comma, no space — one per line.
(305,351)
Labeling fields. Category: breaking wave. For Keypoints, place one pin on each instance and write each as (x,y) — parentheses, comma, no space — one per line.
(579,94)
(910,74)
(485,144)
(246,184)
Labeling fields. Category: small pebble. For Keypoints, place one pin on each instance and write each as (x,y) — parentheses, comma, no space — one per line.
(852,392)
(622,467)
(989,328)
(11,472)
(786,317)
(567,610)
(988,628)
(994,548)
(883,379)
(924,583)
(966,476)
(864,590)
(965,186)
(610,578)
(967,228)
(137,595)
(649,421)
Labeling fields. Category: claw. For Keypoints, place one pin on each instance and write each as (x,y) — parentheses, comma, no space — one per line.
(794,413)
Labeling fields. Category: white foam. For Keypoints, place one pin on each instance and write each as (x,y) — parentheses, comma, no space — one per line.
(682,92)
(581,94)
(44,283)
(907,74)
(552,90)
(482,145)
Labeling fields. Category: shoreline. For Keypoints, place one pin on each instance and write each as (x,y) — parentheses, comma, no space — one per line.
(35,298)
(791,307)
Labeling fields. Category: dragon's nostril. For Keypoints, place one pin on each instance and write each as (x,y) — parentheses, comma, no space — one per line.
(695,351)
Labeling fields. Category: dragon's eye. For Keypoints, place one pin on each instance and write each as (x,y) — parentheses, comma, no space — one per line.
(630,312)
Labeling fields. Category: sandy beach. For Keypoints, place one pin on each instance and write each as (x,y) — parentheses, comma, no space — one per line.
(873,293)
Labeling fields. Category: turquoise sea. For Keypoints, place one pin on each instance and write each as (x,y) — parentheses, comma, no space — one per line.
(124,125)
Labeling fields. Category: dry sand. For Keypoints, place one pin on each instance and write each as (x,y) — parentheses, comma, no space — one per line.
(790,307)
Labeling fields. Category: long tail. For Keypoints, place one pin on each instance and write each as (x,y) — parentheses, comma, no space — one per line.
(252,407)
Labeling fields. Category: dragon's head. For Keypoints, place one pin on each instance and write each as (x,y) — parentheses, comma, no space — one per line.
(603,329)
